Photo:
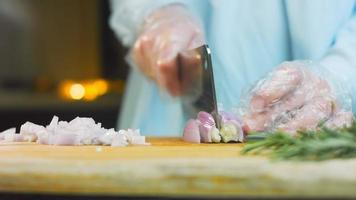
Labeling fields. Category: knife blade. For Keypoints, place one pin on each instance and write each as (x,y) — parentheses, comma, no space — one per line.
(197,86)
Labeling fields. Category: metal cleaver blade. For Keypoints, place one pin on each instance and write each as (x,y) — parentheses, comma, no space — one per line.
(196,78)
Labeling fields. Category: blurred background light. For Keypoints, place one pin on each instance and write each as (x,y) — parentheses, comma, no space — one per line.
(87,90)
(77,91)
(59,57)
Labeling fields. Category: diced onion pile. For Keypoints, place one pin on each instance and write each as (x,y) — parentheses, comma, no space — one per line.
(79,131)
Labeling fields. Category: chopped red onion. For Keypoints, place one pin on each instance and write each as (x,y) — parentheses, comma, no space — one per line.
(206,118)
(205,132)
(79,131)
(191,131)
(138,140)
(229,133)
(231,128)
(29,130)
(13,137)
(215,135)
(8,131)
(119,140)
(65,138)
(206,126)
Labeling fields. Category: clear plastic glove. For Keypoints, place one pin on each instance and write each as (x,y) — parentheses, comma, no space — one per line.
(165,33)
(296,96)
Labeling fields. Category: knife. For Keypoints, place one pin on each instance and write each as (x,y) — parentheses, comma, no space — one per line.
(196,79)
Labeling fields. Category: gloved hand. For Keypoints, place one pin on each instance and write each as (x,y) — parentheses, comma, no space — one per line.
(297,96)
(165,33)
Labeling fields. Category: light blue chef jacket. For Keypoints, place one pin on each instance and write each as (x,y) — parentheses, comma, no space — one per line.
(248,39)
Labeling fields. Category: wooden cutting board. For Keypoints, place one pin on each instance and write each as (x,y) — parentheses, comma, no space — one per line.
(169,167)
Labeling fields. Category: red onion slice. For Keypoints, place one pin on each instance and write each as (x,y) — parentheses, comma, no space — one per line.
(191,131)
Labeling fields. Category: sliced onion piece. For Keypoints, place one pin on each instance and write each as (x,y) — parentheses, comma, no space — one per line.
(205,118)
(191,131)
(7,131)
(215,135)
(206,127)
(228,132)
(119,140)
(53,124)
(42,137)
(205,132)
(13,137)
(107,138)
(230,118)
(68,139)
(138,140)
(29,130)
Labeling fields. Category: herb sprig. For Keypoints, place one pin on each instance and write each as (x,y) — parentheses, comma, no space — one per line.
(321,144)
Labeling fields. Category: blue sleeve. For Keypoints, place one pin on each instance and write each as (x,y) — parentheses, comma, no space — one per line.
(340,59)
(127,16)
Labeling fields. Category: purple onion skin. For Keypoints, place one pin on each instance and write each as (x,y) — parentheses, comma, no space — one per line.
(207,122)
(205,118)
(205,133)
(191,131)
(228,116)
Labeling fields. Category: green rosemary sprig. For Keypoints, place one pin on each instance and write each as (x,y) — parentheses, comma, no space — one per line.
(321,144)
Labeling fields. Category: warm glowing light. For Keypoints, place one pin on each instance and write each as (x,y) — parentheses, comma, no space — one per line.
(77,91)
(101,86)
(90,92)
(87,90)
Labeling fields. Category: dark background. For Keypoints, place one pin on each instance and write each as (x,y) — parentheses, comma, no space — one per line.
(45,42)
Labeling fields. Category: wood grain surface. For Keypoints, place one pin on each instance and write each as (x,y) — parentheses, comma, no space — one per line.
(168,167)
